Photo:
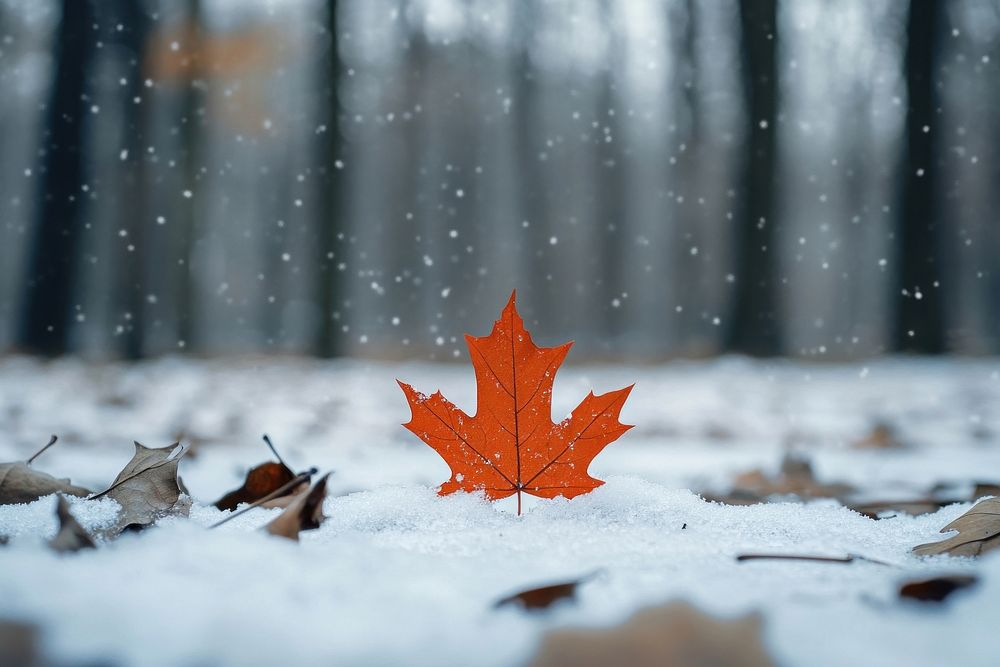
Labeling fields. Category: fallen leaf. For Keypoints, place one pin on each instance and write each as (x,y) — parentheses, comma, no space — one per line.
(511,446)
(262,481)
(300,480)
(795,478)
(71,536)
(882,436)
(304,513)
(913,507)
(936,589)
(147,488)
(985,489)
(20,483)
(19,644)
(675,634)
(978,532)
(543,596)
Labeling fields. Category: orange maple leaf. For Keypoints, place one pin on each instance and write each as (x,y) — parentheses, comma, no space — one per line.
(511,445)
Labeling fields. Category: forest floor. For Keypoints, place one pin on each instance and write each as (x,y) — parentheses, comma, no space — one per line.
(400,576)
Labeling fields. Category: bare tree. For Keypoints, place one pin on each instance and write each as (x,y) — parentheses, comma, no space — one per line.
(329,242)
(135,30)
(753,324)
(61,179)
(919,314)
(191,136)
(609,140)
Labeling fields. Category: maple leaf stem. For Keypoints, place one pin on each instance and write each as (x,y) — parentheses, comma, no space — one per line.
(34,456)
(517,430)
(290,484)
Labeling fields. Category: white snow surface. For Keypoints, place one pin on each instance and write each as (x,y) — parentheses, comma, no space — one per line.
(400,576)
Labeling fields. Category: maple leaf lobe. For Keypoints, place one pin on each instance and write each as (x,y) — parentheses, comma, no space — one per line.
(511,444)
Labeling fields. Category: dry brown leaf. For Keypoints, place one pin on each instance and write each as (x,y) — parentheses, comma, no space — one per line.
(262,481)
(978,532)
(795,478)
(913,507)
(543,596)
(936,589)
(147,488)
(985,489)
(71,536)
(20,483)
(673,635)
(19,644)
(882,436)
(304,513)
(282,502)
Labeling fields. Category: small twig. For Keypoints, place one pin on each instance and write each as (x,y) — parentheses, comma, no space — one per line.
(850,558)
(34,456)
(291,484)
(267,439)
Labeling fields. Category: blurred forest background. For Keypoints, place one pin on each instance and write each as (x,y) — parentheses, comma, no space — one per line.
(657,178)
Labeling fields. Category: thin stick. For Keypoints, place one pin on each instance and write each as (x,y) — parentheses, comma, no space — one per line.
(850,558)
(34,456)
(291,484)
(274,451)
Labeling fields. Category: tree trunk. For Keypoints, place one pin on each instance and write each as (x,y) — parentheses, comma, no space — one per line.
(132,196)
(531,187)
(331,247)
(609,140)
(191,137)
(919,316)
(62,175)
(753,326)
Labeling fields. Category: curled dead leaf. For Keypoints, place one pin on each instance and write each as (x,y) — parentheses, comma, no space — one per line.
(303,513)
(795,478)
(985,489)
(261,481)
(281,502)
(543,597)
(20,483)
(881,436)
(936,589)
(147,488)
(71,536)
(19,644)
(913,507)
(675,634)
(978,532)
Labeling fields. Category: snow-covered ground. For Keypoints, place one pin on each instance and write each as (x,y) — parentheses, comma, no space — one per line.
(400,576)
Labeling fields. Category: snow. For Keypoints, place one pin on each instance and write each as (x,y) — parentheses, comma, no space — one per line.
(398,575)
